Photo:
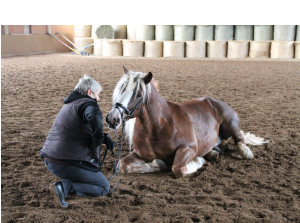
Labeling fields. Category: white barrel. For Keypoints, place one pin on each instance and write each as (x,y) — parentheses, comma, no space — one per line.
(93,34)
(102,31)
(184,33)
(204,33)
(284,32)
(82,30)
(174,49)
(98,47)
(260,49)
(223,33)
(238,49)
(133,48)
(82,42)
(164,32)
(263,32)
(131,32)
(243,32)
(282,49)
(153,48)
(195,49)
(297,50)
(298,33)
(144,32)
(112,47)
(216,49)
(120,31)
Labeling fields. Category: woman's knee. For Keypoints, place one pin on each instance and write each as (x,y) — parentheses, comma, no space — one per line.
(102,190)
(106,187)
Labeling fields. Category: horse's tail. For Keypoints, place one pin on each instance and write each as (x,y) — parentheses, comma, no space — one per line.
(252,139)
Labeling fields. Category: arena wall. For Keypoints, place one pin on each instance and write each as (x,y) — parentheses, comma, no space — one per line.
(15,42)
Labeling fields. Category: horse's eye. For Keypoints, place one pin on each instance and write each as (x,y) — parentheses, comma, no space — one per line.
(139,95)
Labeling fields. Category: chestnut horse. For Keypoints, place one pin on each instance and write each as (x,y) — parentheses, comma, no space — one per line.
(166,134)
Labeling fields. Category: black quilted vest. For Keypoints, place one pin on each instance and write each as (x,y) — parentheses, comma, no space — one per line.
(70,137)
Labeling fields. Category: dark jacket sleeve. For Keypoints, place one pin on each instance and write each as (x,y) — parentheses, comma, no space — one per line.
(93,115)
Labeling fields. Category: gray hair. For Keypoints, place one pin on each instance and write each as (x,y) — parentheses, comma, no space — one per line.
(86,83)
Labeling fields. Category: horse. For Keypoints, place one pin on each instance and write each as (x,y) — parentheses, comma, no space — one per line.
(173,136)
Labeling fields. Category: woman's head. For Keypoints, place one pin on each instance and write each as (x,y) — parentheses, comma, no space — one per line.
(89,86)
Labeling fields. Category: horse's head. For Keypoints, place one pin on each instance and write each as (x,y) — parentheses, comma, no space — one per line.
(131,93)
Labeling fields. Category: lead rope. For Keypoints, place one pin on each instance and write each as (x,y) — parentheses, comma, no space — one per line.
(116,168)
(124,119)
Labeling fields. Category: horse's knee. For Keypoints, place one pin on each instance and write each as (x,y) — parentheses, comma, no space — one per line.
(124,168)
(128,162)
(191,167)
(140,166)
(135,167)
(244,150)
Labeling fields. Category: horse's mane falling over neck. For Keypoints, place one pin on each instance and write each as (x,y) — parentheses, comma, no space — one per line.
(129,82)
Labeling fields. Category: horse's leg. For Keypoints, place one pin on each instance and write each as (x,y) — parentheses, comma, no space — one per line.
(224,146)
(186,162)
(134,164)
(244,150)
(231,127)
(240,144)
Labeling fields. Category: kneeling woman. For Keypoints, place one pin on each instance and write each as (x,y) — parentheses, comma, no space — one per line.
(72,148)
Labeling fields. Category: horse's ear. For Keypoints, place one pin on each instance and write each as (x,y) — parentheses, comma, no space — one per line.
(125,70)
(148,78)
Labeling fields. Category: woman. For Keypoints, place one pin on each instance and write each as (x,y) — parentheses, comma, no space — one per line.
(72,148)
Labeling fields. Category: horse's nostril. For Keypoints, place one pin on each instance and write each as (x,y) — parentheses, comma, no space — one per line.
(116,121)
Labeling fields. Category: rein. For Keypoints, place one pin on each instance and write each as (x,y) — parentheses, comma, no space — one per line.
(124,119)
(116,168)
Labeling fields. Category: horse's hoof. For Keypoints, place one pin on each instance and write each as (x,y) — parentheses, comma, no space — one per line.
(178,175)
(212,155)
(216,148)
(244,150)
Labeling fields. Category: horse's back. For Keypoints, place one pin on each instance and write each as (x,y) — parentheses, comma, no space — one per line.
(221,108)
(197,110)
(206,106)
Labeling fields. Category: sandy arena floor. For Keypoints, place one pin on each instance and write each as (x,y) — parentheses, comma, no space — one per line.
(265,94)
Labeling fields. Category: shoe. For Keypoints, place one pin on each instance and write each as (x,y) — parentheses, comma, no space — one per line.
(57,190)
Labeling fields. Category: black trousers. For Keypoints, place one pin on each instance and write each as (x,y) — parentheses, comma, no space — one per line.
(80,181)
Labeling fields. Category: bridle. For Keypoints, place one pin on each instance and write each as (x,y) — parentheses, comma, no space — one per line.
(129,114)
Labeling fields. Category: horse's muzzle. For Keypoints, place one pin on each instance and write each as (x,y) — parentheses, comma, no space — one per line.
(114,124)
